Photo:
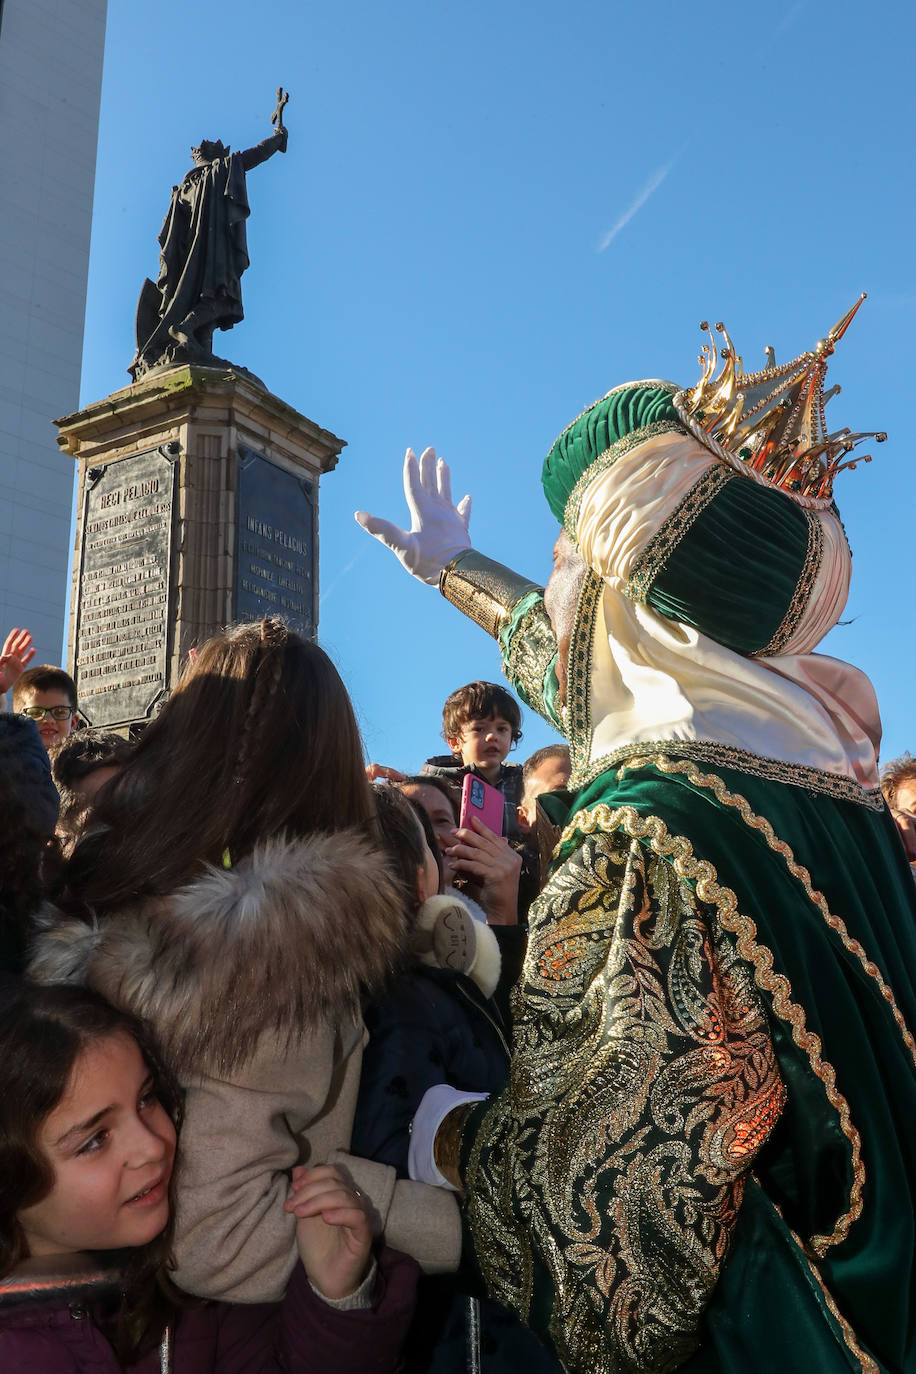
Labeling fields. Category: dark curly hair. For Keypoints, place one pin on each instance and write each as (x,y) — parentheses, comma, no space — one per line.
(480,701)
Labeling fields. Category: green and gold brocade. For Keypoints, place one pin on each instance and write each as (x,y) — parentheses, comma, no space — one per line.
(529,649)
(722,936)
(511,609)
(603,1186)
(693,1006)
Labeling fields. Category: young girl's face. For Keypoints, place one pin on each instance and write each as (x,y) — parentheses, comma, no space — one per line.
(111,1145)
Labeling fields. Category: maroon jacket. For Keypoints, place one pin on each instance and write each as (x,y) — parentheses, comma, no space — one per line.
(301,1335)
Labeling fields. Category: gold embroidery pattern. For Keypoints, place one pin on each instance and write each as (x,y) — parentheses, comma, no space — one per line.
(800,873)
(578,673)
(669,534)
(643,1083)
(728,756)
(606,460)
(502,1246)
(866,1363)
(678,849)
(532,650)
(803,589)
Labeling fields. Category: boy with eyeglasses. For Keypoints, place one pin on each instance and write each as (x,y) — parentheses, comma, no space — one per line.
(48,695)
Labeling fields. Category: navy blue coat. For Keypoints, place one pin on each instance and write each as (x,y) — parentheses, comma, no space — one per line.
(436,1026)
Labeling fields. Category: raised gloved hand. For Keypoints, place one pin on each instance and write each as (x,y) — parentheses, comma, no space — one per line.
(438,529)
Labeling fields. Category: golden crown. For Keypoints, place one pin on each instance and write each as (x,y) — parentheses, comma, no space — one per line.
(770,424)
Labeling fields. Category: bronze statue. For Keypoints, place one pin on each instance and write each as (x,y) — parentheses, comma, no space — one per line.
(203,253)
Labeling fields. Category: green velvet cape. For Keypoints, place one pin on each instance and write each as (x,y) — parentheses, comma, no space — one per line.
(694,887)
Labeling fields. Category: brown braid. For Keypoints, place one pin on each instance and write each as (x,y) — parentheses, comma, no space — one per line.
(274,636)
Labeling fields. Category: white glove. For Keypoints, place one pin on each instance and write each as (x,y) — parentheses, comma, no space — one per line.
(435,1105)
(438,529)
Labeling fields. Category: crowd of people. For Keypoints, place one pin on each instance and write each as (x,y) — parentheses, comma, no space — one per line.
(268,950)
(601,1063)
(257,960)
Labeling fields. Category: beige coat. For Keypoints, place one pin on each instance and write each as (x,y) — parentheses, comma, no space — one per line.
(251,979)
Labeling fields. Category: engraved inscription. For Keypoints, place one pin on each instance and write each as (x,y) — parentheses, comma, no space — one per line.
(122,617)
(275,548)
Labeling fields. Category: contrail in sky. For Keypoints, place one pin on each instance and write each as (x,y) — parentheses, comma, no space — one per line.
(651,186)
(344,572)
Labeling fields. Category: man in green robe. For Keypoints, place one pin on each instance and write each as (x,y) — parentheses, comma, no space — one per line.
(705,1158)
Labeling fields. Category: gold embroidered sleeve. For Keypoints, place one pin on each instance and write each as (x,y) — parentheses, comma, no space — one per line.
(529,648)
(604,1182)
(485,591)
(511,609)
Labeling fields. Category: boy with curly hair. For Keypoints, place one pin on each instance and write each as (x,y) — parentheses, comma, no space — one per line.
(481,722)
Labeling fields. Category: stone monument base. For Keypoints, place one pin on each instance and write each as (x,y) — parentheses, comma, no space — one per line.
(197,505)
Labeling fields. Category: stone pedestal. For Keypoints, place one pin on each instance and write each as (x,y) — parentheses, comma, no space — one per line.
(197,505)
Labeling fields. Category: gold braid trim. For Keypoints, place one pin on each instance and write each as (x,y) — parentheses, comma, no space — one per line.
(715,784)
(578,673)
(866,1363)
(669,534)
(679,850)
(803,589)
(835,785)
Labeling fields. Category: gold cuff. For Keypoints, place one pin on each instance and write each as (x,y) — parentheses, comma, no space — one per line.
(447,1145)
(483,590)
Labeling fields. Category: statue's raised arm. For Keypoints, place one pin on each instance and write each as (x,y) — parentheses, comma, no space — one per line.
(203,253)
(277,141)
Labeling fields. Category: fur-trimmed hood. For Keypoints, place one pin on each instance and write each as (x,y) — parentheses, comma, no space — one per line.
(292,936)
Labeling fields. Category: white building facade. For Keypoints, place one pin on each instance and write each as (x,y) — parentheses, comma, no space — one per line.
(50,88)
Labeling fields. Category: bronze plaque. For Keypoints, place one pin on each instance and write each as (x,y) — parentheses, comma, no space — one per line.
(275,548)
(122,627)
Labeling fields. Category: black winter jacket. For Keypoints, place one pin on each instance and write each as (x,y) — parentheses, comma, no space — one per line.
(436,1026)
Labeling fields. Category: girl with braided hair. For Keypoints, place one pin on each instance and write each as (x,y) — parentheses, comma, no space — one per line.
(230,892)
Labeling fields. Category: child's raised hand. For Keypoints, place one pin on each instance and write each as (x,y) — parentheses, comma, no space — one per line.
(333,1229)
(15,656)
(380,772)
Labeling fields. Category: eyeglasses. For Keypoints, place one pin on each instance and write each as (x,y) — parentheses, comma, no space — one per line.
(39,712)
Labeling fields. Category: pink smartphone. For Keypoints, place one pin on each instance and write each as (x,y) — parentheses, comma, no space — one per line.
(479,799)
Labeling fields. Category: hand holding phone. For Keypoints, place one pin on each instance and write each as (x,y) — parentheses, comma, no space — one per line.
(480,800)
(482,855)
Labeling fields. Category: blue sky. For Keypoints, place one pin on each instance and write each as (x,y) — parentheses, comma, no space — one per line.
(489,214)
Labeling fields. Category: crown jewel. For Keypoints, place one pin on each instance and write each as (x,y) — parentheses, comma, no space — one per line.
(770,424)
